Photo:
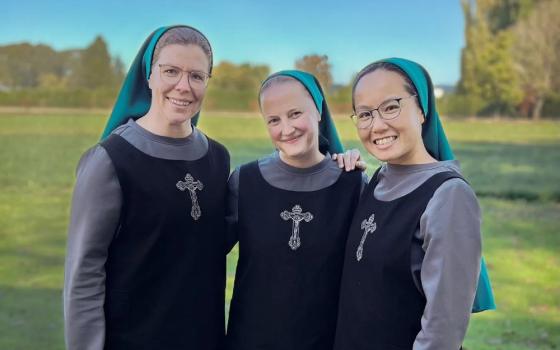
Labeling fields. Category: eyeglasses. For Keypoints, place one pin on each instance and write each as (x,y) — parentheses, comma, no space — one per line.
(172,75)
(387,110)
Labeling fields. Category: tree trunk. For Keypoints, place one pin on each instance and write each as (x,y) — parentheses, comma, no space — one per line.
(536,114)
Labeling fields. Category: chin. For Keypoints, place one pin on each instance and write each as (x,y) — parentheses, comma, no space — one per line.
(291,154)
(400,159)
(180,118)
(295,151)
(382,156)
(176,120)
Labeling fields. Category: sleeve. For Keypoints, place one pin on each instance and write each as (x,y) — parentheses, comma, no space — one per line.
(450,227)
(232,210)
(94,218)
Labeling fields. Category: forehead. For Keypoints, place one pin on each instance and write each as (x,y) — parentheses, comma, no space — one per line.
(184,56)
(377,86)
(286,94)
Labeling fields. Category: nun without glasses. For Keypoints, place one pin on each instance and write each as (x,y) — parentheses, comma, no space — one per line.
(290,212)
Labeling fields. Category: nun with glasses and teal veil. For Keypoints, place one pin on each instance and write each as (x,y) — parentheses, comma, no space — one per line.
(145,264)
(290,212)
(413,272)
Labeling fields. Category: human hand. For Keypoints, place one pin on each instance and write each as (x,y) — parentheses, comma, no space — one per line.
(350,160)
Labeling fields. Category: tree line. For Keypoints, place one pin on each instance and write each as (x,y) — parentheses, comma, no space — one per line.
(510,66)
(37,75)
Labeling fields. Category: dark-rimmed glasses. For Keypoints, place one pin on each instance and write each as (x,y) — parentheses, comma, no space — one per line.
(388,110)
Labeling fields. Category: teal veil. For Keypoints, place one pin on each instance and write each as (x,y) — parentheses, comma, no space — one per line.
(328,136)
(437,145)
(135,96)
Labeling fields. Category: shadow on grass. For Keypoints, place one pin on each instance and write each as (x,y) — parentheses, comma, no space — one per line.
(503,170)
(512,171)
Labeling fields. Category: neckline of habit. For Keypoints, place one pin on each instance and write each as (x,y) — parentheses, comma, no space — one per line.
(322,165)
(413,168)
(178,141)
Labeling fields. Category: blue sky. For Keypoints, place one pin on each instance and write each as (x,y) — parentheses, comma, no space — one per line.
(352,33)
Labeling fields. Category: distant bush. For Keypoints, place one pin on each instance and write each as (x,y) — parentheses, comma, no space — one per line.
(231,99)
(551,108)
(456,105)
(44,97)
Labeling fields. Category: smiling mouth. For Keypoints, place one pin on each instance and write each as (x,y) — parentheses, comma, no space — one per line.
(292,140)
(179,103)
(384,140)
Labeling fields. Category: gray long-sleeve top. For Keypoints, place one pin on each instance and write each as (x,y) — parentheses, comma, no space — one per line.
(448,262)
(96,207)
(449,232)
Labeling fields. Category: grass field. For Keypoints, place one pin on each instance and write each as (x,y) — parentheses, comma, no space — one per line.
(513,166)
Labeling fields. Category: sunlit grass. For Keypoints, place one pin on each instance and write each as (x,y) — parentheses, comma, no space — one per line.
(501,159)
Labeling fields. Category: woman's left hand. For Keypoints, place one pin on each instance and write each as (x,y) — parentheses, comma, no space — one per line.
(350,160)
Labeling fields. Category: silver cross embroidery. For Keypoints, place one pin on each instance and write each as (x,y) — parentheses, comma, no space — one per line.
(368,226)
(191,185)
(296,215)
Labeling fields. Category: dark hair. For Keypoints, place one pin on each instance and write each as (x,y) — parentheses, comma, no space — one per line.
(390,67)
(184,36)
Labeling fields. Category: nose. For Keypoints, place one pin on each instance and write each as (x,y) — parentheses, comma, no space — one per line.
(183,84)
(377,123)
(287,128)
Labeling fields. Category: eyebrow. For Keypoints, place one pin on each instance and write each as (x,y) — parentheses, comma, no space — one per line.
(362,107)
(271,116)
(292,110)
(174,66)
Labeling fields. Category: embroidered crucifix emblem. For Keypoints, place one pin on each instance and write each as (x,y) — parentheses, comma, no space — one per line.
(296,215)
(191,185)
(368,226)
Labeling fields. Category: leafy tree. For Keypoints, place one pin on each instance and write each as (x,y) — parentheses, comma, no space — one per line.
(22,64)
(235,86)
(94,69)
(503,14)
(319,66)
(536,53)
(119,71)
(230,76)
(37,75)
(488,75)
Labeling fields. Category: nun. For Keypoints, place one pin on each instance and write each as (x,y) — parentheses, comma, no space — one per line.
(413,272)
(290,212)
(145,262)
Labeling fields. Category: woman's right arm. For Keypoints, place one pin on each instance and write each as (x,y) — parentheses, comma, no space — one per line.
(96,206)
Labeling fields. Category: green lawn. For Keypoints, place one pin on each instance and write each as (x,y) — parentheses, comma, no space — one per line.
(513,166)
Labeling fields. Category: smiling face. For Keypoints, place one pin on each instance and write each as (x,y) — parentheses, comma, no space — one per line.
(292,121)
(399,140)
(175,104)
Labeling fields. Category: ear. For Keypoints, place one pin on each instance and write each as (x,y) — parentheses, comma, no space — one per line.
(420,112)
(150,81)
